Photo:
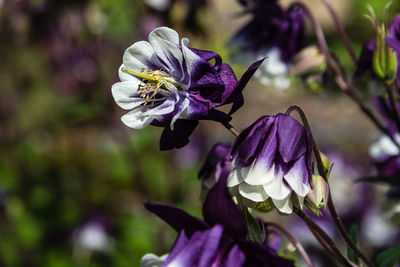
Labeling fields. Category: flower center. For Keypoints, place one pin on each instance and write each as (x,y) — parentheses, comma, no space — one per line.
(153,82)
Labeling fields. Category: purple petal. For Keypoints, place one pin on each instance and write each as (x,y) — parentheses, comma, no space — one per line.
(179,137)
(251,140)
(291,137)
(364,62)
(200,251)
(219,208)
(393,43)
(216,158)
(180,243)
(208,55)
(236,97)
(276,241)
(176,218)
(235,258)
(260,256)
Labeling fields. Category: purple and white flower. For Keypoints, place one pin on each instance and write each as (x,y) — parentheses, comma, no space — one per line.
(218,160)
(219,240)
(165,83)
(274,33)
(272,160)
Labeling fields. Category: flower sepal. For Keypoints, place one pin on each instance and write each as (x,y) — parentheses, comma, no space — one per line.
(317,196)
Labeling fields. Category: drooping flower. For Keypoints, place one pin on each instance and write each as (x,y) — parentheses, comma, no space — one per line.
(272,160)
(218,160)
(165,83)
(274,33)
(220,239)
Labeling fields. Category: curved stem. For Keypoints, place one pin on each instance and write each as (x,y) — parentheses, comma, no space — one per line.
(343,232)
(340,29)
(346,87)
(232,129)
(331,206)
(393,104)
(294,241)
(329,242)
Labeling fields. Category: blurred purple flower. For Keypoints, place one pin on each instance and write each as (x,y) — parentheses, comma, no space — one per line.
(271,159)
(167,84)
(273,33)
(92,236)
(217,161)
(365,61)
(220,238)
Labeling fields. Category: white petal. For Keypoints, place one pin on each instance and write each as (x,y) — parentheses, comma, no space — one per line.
(151,260)
(276,188)
(294,177)
(181,114)
(135,119)
(301,201)
(166,107)
(284,205)
(234,178)
(124,76)
(259,174)
(255,193)
(190,58)
(165,33)
(140,56)
(170,55)
(125,94)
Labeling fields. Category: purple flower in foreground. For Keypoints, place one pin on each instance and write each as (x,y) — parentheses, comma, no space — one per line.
(165,83)
(273,33)
(272,159)
(219,240)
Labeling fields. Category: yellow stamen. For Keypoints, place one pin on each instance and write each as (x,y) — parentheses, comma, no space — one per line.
(153,82)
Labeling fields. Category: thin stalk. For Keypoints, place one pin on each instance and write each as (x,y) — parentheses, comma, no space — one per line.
(393,104)
(331,206)
(232,129)
(340,29)
(346,87)
(310,223)
(294,241)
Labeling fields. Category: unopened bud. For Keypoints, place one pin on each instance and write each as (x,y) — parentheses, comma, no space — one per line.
(308,61)
(326,163)
(385,60)
(318,196)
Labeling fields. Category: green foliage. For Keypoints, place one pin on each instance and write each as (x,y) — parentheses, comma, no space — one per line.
(354,237)
(389,257)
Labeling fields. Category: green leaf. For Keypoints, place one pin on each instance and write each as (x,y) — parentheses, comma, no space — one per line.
(354,237)
(389,257)
(255,231)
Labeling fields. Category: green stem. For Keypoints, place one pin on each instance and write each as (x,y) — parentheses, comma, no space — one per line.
(294,241)
(232,129)
(331,206)
(328,242)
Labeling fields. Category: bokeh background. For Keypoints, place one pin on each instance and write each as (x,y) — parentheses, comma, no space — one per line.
(73,178)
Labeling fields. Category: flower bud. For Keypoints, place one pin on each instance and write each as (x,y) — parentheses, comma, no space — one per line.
(326,163)
(385,60)
(308,61)
(317,197)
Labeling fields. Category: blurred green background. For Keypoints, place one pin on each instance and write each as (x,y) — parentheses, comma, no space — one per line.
(72,177)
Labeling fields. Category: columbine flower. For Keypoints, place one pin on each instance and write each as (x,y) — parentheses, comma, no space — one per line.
(272,160)
(218,160)
(165,83)
(219,240)
(273,33)
(386,156)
